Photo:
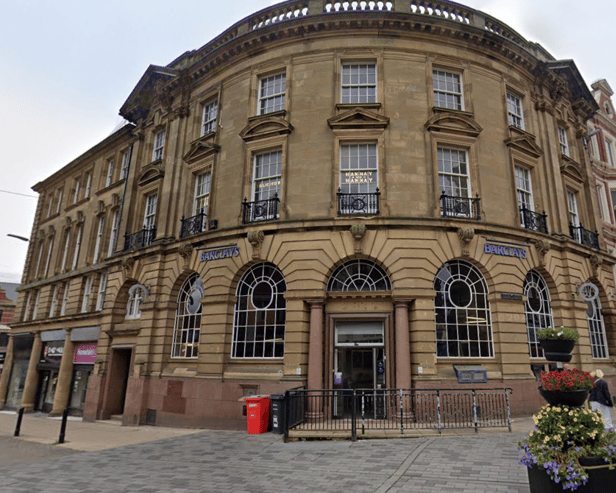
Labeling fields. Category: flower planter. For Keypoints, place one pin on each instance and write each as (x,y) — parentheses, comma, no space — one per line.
(557,349)
(575,398)
(598,479)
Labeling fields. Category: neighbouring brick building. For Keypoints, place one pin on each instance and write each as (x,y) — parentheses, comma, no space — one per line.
(324,192)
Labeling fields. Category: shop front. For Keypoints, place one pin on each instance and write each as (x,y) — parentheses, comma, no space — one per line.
(84,356)
(48,368)
(22,346)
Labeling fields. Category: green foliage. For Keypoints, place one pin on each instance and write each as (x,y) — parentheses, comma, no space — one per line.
(566,333)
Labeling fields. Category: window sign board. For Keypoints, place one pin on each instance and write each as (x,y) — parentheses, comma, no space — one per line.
(471,374)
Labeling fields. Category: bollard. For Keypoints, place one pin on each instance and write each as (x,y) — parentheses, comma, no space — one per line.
(20,416)
(63,425)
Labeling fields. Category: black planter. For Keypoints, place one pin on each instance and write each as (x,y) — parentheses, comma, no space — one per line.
(573,398)
(599,480)
(557,349)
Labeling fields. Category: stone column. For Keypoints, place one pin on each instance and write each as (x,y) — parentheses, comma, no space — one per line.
(403,347)
(32,377)
(315,356)
(65,378)
(6,371)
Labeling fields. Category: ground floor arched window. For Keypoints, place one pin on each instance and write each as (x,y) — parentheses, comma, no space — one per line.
(537,309)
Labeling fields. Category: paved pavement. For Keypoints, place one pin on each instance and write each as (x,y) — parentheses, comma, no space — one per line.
(191,461)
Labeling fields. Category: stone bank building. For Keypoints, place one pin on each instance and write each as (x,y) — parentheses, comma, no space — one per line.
(373,193)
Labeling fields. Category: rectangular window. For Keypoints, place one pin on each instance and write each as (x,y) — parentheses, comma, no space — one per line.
(149,218)
(358,168)
(574,217)
(50,206)
(524,188)
(159,145)
(564,143)
(28,306)
(37,303)
(514,111)
(272,91)
(102,290)
(605,215)
(88,184)
(60,191)
(453,172)
(113,238)
(202,193)
(76,191)
(609,147)
(87,291)
(125,166)
(358,83)
(39,260)
(110,167)
(67,246)
(267,175)
(447,90)
(99,239)
(613,199)
(48,261)
(77,247)
(210,114)
(54,301)
(65,293)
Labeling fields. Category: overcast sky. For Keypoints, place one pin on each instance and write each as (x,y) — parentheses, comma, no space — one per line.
(67,66)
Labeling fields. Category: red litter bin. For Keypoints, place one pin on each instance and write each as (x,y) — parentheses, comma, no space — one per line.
(257,411)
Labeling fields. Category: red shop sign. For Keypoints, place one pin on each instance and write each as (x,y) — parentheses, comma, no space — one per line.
(85,353)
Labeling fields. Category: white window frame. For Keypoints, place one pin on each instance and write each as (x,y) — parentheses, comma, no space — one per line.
(99,239)
(358,83)
(65,294)
(266,176)
(87,292)
(113,237)
(76,191)
(102,290)
(572,207)
(77,247)
(60,193)
(53,305)
(463,178)
(125,166)
(158,147)
(272,93)
(37,303)
(28,306)
(515,110)
(88,184)
(613,202)
(603,207)
(203,184)
(358,167)
(209,117)
(39,259)
(50,206)
(67,247)
(524,188)
(136,294)
(110,169)
(609,149)
(149,216)
(48,261)
(563,141)
(447,89)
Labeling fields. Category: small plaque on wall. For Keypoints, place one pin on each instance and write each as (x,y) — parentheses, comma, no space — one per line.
(471,374)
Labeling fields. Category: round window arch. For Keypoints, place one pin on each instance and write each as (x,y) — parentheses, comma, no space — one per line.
(359,275)
(537,309)
(187,329)
(462,312)
(260,313)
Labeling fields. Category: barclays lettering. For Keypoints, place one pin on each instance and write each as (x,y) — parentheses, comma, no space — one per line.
(220,254)
(506,251)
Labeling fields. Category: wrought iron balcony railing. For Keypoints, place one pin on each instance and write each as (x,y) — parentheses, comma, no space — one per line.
(358,203)
(260,210)
(193,225)
(584,236)
(461,207)
(533,220)
(140,239)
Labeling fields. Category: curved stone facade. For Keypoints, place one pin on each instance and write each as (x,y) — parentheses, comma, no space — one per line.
(352,186)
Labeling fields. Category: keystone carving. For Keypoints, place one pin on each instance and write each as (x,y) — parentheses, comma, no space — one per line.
(127,264)
(185,252)
(595,261)
(543,247)
(80,217)
(465,235)
(101,208)
(256,240)
(358,231)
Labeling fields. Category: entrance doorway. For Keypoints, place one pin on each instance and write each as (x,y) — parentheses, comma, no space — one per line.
(48,379)
(119,370)
(359,364)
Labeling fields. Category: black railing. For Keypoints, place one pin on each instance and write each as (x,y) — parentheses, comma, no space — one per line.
(193,225)
(461,207)
(533,220)
(140,239)
(358,203)
(373,411)
(584,236)
(260,210)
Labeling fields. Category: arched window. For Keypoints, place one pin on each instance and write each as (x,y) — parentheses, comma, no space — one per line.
(136,294)
(188,319)
(260,313)
(537,309)
(596,326)
(359,275)
(463,320)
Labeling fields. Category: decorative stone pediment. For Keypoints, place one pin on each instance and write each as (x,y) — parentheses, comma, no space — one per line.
(525,143)
(150,173)
(201,148)
(358,118)
(260,127)
(461,123)
(572,169)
